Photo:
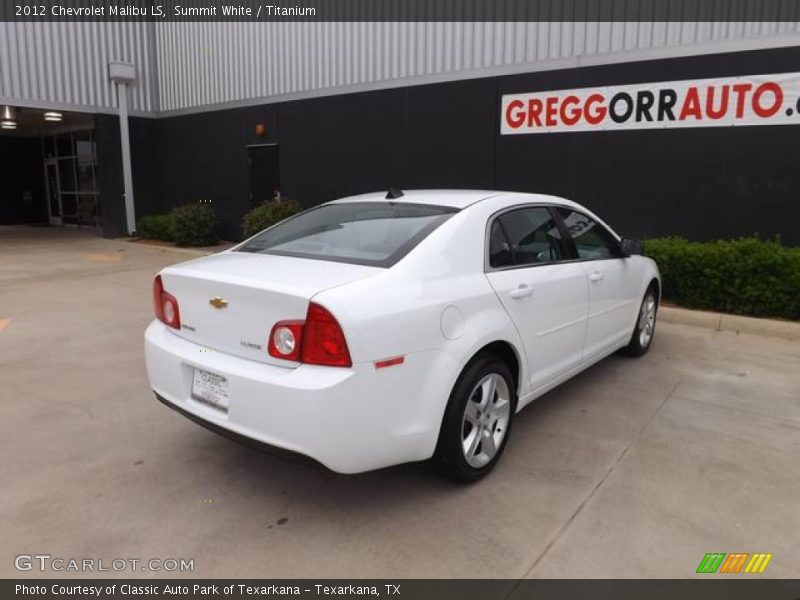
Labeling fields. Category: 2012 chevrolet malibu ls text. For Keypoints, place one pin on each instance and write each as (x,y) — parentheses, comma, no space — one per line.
(387,328)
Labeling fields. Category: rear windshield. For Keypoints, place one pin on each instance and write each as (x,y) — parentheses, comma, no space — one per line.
(363,233)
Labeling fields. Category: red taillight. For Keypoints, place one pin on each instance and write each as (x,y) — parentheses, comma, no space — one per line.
(319,340)
(323,339)
(165,305)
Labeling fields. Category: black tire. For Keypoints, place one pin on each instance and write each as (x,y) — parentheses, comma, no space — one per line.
(639,343)
(449,459)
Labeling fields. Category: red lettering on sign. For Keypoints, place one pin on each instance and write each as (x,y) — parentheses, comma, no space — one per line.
(720,112)
(573,116)
(777,93)
(517,118)
(534,110)
(691,105)
(741,90)
(594,116)
(550,114)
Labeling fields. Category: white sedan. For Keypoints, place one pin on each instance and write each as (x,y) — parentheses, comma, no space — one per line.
(395,327)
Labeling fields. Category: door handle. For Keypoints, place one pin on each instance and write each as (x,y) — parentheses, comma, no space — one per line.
(596,276)
(522,291)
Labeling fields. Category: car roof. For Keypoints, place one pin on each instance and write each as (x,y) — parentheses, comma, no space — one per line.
(454,198)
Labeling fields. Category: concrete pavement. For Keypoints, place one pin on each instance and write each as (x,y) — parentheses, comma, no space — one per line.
(636,468)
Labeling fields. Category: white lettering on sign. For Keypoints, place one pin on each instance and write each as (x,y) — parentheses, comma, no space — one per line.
(720,102)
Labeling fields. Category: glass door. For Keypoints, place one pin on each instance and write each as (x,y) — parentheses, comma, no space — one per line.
(70,161)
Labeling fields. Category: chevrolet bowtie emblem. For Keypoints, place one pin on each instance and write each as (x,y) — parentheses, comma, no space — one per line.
(218,302)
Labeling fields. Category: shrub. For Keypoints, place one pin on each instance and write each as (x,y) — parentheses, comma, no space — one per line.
(155,227)
(746,276)
(268,213)
(194,225)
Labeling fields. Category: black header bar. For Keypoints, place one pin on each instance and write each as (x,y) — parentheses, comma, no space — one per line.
(402,10)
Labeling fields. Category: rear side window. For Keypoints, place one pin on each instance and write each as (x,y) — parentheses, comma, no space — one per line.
(363,233)
(592,240)
(526,236)
(499,248)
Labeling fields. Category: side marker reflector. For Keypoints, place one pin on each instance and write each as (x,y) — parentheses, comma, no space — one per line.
(389,362)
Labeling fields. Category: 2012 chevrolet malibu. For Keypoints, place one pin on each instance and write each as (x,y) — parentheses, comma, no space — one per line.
(387,328)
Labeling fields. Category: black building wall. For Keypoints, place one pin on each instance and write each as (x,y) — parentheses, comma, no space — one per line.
(422,136)
(204,157)
(23,197)
(110,184)
(416,137)
(702,183)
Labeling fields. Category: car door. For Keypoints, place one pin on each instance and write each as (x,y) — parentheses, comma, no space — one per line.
(612,284)
(545,295)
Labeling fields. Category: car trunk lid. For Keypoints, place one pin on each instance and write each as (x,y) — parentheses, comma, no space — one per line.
(229,302)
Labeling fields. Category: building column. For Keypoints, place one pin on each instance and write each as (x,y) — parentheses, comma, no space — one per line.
(124,74)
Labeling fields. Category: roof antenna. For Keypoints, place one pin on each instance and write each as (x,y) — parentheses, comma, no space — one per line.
(394,193)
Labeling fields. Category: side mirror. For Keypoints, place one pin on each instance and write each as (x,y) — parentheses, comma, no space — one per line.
(630,246)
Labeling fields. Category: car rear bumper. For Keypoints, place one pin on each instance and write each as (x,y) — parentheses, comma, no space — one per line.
(350,420)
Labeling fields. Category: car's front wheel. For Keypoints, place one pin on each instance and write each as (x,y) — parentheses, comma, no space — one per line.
(477,420)
(645,325)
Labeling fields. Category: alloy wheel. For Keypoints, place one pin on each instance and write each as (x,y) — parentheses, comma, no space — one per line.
(647,320)
(485,421)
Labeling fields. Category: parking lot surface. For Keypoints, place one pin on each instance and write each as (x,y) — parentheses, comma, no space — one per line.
(635,468)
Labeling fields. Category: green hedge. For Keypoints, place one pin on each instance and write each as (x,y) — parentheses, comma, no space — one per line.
(155,227)
(267,214)
(746,276)
(194,225)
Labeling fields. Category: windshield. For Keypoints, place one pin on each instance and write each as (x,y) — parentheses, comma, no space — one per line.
(364,233)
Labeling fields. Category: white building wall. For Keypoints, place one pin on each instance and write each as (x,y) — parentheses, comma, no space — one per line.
(202,64)
(65,65)
(190,66)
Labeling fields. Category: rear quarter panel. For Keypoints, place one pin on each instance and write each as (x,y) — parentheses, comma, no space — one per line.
(437,299)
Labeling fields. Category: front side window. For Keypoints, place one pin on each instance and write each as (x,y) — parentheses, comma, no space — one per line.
(364,233)
(526,236)
(592,240)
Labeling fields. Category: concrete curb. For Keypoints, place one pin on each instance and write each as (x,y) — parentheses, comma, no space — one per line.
(788,330)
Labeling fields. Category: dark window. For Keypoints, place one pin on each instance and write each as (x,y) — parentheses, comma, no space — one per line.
(64,146)
(529,235)
(363,233)
(49,146)
(592,240)
(66,174)
(499,248)
(86,153)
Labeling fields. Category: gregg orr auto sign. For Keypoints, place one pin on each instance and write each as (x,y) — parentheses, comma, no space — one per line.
(726,101)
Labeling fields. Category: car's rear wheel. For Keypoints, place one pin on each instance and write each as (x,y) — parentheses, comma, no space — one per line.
(477,420)
(643,332)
